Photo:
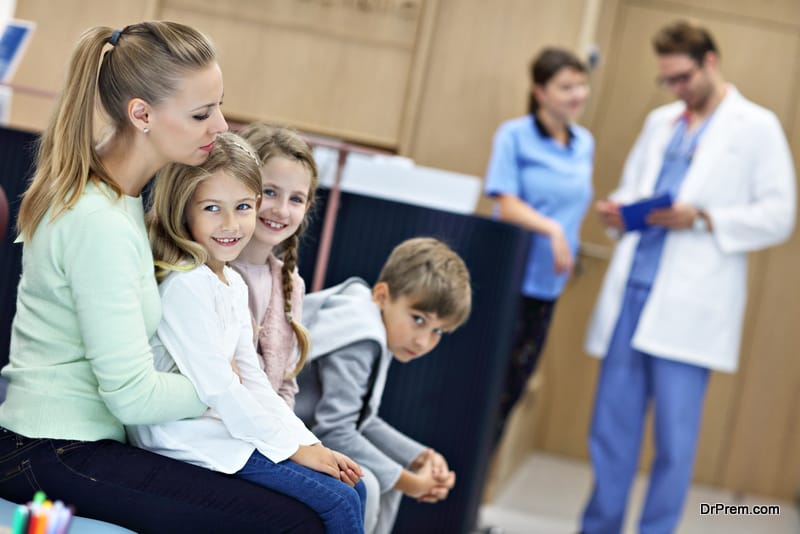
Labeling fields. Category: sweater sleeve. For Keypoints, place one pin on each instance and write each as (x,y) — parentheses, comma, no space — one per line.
(396,445)
(103,262)
(251,410)
(344,375)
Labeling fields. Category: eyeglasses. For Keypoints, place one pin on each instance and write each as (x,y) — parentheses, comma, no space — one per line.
(676,79)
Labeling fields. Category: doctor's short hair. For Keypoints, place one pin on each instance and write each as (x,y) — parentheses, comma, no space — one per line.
(432,276)
(685,37)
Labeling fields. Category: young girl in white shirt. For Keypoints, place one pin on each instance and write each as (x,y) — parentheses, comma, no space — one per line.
(268,263)
(200,219)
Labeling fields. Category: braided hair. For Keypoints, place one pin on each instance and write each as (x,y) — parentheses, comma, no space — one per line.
(274,141)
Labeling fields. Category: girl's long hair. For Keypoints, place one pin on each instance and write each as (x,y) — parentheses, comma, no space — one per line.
(271,141)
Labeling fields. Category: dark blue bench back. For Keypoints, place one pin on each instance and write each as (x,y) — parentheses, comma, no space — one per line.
(447,399)
(17,154)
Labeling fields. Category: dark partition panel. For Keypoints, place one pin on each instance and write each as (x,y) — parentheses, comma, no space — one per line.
(448,398)
(17,152)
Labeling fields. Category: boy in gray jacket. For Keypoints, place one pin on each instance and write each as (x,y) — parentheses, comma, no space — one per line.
(422,292)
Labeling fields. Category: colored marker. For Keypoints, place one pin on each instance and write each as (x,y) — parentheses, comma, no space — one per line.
(20,522)
(34,517)
(55,518)
(67,514)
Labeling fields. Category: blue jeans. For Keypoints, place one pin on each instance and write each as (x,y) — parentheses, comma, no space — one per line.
(340,506)
(143,491)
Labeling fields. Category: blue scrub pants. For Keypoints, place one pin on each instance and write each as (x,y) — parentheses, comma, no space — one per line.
(629,380)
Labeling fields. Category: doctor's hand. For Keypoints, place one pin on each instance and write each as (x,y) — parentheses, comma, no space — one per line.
(608,212)
(678,217)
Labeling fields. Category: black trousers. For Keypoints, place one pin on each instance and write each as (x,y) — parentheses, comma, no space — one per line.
(530,334)
(143,491)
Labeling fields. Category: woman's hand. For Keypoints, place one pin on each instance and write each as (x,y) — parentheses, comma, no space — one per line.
(608,212)
(563,261)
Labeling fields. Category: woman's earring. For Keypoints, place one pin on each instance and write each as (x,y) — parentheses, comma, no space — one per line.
(146,130)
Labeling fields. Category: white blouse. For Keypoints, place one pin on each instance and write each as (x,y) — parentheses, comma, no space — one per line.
(204,327)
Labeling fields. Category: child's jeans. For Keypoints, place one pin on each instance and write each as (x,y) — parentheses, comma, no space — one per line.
(340,506)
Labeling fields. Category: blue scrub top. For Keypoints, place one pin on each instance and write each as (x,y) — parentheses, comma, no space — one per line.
(553,179)
(677,160)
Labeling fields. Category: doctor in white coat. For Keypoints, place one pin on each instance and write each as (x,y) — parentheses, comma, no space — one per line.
(673,299)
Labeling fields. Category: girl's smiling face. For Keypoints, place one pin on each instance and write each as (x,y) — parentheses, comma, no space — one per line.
(285,188)
(221,216)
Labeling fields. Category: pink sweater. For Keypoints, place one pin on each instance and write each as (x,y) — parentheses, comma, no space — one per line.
(275,340)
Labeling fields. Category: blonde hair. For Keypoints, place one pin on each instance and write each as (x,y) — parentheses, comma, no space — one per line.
(172,243)
(146,60)
(432,275)
(274,141)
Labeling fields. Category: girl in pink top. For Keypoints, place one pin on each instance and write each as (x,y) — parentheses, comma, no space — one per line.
(268,263)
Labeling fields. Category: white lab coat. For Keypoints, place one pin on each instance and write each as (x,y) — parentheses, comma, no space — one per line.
(743,176)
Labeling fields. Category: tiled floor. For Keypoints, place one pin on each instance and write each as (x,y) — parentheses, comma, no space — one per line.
(547,494)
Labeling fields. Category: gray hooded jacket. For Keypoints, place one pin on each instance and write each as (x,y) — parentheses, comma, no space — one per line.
(342,383)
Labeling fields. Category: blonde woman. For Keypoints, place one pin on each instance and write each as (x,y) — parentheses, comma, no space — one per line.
(80,363)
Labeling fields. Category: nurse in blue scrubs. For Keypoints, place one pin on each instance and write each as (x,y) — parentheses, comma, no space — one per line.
(540,174)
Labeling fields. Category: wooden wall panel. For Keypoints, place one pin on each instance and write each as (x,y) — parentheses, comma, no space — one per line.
(344,68)
(326,67)
(59,25)
(780,11)
(477,75)
(764,446)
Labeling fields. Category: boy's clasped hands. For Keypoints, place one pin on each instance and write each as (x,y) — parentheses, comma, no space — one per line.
(429,480)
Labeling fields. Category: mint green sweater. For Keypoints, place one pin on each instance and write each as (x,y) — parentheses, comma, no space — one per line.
(80,362)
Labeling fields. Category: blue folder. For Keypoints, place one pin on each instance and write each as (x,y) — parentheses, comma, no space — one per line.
(634,215)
